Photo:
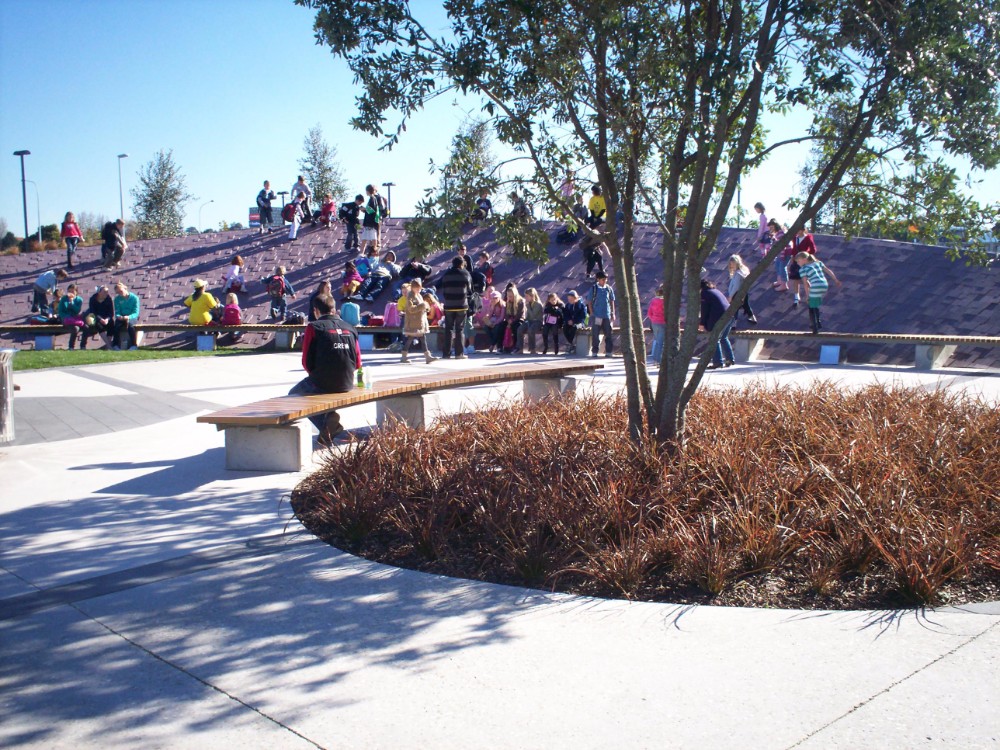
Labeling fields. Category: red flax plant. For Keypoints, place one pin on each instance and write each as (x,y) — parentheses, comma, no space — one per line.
(784,497)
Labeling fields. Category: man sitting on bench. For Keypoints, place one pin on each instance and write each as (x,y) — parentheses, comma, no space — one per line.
(331,355)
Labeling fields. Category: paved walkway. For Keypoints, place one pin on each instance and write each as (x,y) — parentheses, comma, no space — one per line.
(148,598)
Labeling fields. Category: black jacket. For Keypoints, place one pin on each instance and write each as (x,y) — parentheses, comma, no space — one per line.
(413,271)
(456,289)
(331,354)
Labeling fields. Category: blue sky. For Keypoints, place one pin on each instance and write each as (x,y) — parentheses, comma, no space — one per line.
(232,87)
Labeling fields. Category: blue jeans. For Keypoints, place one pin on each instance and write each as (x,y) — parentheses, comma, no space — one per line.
(781,270)
(306,387)
(659,337)
(724,349)
(278,307)
(595,336)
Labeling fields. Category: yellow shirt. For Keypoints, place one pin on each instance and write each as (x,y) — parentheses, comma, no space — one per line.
(201,309)
(597,206)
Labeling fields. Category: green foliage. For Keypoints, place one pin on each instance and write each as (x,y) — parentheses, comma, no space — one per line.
(160,197)
(90,224)
(663,101)
(445,210)
(50,233)
(8,241)
(320,167)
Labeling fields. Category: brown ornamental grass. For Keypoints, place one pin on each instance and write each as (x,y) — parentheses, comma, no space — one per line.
(825,498)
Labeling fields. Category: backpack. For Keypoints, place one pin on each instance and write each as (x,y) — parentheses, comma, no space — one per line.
(383,207)
(288,212)
(276,286)
(345,211)
(390,317)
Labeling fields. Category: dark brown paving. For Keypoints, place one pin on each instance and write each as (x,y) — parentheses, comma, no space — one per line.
(889,287)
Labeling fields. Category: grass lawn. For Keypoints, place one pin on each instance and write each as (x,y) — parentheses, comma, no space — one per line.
(32,360)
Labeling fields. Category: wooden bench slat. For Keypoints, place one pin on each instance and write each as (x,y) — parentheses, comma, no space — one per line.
(285,409)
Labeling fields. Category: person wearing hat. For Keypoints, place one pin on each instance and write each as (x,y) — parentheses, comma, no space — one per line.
(201,303)
(574,316)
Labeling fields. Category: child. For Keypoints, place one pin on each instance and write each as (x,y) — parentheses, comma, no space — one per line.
(326,211)
(552,320)
(803,242)
(738,271)
(71,234)
(293,213)
(533,311)
(814,275)
(233,281)
(278,287)
(351,280)
(415,324)
(484,206)
(602,315)
(776,233)
(349,213)
(574,316)
(231,313)
(763,241)
(70,310)
(435,313)
(659,323)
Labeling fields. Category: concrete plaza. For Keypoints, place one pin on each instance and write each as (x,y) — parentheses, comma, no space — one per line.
(149,598)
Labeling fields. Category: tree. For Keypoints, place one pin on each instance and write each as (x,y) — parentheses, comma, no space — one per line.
(684,84)
(8,241)
(320,167)
(470,168)
(160,197)
(91,225)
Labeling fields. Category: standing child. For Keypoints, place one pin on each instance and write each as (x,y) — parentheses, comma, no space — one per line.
(814,275)
(574,316)
(552,320)
(658,323)
(278,287)
(533,313)
(415,324)
(776,232)
(763,240)
(738,271)
(803,242)
(71,234)
(293,213)
(602,315)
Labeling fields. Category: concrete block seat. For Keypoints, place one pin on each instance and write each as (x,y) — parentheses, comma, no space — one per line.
(269,436)
(930,351)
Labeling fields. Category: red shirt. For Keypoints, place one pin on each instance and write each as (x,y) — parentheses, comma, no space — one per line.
(71,229)
(803,245)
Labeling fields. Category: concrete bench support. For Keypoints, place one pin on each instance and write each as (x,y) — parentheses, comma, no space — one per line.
(747,350)
(283,448)
(931,357)
(284,340)
(205,342)
(44,343)
(366,341)
(536,389)
(829,354)
(418,411)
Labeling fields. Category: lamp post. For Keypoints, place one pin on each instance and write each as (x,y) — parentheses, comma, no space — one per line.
(121,197)
(388,193)
(38,209)
(199,212)
(282,193)
(24,194)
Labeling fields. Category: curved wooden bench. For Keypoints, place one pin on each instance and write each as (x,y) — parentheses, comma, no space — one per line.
(268,435)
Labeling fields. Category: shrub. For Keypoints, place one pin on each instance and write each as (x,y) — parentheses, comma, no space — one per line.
(814,497)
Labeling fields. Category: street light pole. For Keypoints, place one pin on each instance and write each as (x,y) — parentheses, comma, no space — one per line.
(121,197)
(388,188)
(24,194)
(199,212)
(38,209)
